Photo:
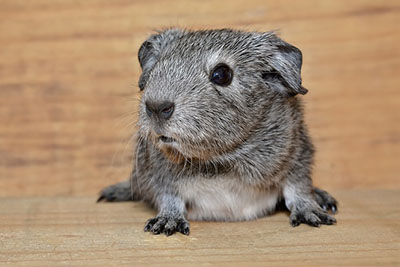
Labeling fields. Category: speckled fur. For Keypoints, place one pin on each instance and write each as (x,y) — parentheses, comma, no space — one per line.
(238,149)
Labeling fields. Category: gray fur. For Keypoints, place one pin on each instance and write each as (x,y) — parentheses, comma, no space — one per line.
(238,150)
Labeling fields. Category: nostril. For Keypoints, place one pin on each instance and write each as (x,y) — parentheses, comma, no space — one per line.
(166,139)
(166,110)
(148,111)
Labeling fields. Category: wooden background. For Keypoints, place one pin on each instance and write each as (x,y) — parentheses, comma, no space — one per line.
(68,85)
(68,101)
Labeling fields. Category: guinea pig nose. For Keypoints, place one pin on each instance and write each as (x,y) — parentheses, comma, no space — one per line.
(163,110)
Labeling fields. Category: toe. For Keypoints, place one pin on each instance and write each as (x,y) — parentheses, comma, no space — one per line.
(296,219)
(169,231)
(312,219)
(183,227)
(326,219)
(170,227)
(158,227)
(149,224)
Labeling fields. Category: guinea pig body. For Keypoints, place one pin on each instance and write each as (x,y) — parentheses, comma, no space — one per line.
(221,132)
(224,199)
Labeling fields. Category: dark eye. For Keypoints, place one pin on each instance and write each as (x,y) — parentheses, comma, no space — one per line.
(221,75)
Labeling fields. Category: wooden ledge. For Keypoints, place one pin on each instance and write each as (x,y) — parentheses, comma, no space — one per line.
(77,231)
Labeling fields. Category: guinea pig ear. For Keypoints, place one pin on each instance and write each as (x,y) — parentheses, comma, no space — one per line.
(151,49)
(285,75)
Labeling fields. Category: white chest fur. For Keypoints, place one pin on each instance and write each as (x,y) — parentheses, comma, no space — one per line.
(225,199)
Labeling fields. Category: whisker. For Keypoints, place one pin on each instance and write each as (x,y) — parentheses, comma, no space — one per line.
(138,146)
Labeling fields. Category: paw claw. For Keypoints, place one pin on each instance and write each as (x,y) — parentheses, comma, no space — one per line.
(149,224)
(183,227)
(185,231)
(294,223)
(333,208)
(169,232)
(100,198)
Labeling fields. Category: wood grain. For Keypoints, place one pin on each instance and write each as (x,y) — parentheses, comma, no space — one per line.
(76,231)
(68,93)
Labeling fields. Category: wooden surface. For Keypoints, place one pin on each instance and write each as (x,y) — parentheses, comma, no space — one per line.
(68,85)
(68,101)
(77,231)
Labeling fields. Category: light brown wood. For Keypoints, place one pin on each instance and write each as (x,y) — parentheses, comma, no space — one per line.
(68,93)
(77,231)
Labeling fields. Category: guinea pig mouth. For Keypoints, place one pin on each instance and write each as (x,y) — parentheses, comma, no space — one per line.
(173,149)
(171,153)
(166,139)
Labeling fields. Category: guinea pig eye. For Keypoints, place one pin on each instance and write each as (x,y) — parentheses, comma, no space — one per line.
(221,75)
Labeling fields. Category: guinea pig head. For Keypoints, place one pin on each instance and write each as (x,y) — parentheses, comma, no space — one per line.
(205,92)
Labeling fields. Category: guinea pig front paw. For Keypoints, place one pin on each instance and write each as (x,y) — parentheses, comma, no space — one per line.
(167,225)
(314,216)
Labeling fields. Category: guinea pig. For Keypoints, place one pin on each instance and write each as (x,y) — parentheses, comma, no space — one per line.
(221,132)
